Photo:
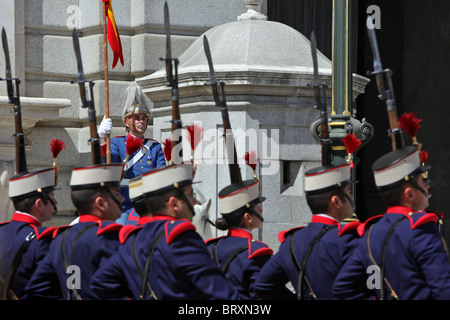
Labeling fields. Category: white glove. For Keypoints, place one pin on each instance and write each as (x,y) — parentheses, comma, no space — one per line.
(105,127)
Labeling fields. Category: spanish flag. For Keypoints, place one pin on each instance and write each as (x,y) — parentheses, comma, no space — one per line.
(113,34)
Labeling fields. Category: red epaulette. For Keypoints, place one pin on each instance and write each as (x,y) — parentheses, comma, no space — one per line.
(107,226)
(58,230)
(40,234)
(351,226)
(257,248)
(284,234)
(174,228)
(209,241)
(425,218)
(440,214)
(127,230)
(363,227)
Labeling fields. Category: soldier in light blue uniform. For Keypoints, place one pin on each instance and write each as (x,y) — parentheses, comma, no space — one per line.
(136,115)
(238,255)
(402,255)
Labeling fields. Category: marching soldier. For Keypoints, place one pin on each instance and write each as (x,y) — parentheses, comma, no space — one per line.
(77,251)
(310,257)
(136,115)
(238,255)
(402,255)
(164,257)
(24,242)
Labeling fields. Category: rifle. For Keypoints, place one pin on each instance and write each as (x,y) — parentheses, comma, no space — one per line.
(21,161)
(85,103)
(384,76)
(172,81)
(325,140)
(233,166)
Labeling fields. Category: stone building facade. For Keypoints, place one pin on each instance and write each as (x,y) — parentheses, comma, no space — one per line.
(267,68)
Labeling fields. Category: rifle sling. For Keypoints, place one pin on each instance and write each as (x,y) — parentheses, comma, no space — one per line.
(7,291)
(383,257)
(305,260)
(229,259)
(144,273)
(67,263)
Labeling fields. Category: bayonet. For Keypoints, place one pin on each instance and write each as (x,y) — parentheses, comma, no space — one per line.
(80,73)
(168,45)
(385,87)
(172,81)
(220,101)
(321,105)
(21,161)
(85,103)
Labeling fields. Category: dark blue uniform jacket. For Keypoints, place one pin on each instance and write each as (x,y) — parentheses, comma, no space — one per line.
(416,262)
(23,228)
(324,263)
(180,267)
(98,240)
(242,270)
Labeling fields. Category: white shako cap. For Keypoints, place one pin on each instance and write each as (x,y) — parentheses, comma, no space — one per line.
(135,188)
(96,175)
(397,166)
(163,179)
(326,178)
(239,196)
(33,182)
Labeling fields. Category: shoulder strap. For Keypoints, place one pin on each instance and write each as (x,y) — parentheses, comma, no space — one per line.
(305,260)
(7,291)
(137,156)
(231,257)
(299,267)
(383,256)
(144,273)
(67,263)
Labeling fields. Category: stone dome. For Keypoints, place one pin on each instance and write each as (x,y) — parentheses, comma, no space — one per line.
(248,46)
(253,45)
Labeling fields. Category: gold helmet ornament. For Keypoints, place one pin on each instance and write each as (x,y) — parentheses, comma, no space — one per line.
(136,103)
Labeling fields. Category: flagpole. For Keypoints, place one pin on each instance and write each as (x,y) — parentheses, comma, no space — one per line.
(105,58)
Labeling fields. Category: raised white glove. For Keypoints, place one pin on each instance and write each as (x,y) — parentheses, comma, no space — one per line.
(105,127)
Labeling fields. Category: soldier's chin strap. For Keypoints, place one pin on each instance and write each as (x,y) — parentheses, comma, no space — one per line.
(45,194)
(253,211)
(186,200)
(416,186)
(114,198)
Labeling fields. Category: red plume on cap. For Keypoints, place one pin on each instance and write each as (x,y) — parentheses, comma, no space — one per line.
(167,150)
(410,125)
(423,156)
(195,135)
(251,160)
(56,146)
(352,143)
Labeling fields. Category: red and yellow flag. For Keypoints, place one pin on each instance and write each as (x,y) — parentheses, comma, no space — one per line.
(113,34)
